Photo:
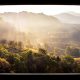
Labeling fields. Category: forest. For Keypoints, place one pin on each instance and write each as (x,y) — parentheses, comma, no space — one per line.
(15,59)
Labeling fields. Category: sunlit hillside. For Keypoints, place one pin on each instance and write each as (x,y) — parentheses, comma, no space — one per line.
(39,43)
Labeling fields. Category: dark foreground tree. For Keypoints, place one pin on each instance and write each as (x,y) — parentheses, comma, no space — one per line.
(5,67)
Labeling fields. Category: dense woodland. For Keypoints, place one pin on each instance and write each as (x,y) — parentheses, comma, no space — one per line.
(15,59)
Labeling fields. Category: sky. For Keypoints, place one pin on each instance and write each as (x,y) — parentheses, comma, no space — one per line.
(46,9)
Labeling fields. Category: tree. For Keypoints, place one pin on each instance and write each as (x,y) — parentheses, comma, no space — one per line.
(42,51)
(58,58)
(20,45)
(53,65)
(41,63)
(5,67)
(68,63)
(3,52)
(13,44)
(75,52)
(14,60)
(28,60)
(3,42)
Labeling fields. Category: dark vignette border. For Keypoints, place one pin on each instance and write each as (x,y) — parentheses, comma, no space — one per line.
(39,2)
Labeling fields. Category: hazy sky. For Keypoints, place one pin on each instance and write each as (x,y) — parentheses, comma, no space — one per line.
(46,9)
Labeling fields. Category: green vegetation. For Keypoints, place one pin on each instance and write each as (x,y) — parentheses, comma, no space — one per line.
(14,59)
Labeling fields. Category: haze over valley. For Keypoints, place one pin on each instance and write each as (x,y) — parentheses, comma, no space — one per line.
(41,30)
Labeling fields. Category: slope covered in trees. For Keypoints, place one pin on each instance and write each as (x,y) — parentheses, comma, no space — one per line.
(15,59)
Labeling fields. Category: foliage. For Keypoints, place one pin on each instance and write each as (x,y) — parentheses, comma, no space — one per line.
(5,67)
(13,58)
(75,52)
(3,52)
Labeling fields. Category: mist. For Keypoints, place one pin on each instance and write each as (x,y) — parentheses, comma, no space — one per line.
(36,29)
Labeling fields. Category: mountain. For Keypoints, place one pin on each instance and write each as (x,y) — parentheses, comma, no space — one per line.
(70,20)
(34,28)
(25,21)
(69,17)
(71,24)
